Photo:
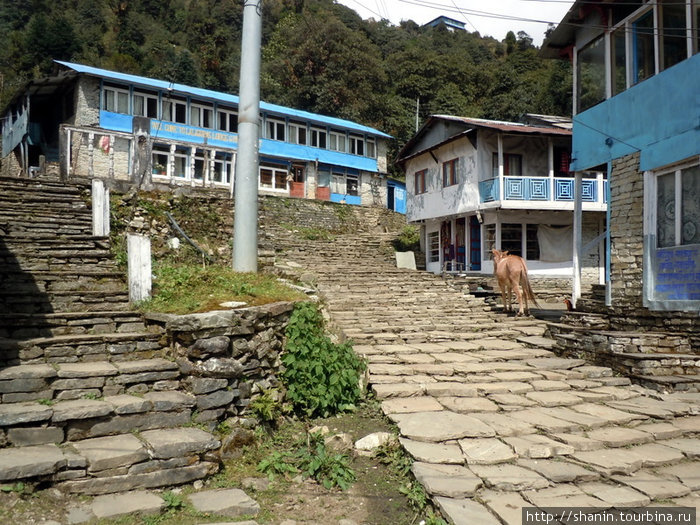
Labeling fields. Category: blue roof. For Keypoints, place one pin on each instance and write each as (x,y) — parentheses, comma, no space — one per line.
(218,96)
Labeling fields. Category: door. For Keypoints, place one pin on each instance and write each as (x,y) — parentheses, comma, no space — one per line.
(474,244)
(296,184)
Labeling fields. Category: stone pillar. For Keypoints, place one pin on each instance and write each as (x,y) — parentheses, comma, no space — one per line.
(100,209)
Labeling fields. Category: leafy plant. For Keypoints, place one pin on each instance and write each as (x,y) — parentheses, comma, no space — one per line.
(172,501)
(267,407)
(17,487)
(408,240)
(313,460)
(321,377)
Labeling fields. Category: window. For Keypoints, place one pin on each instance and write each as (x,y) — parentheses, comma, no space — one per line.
(273,178)
(449,173)
(512,164)
(200,164)
(591,74)
(434,247)
(643,61)
(619,61)
(201,116)
(181,163)
(562,161)
(338,141)
(318,138)
(228,120)
(115,100)
(512,238)
(175,111)
(223,168)
(532,243)
(345,183)
(371,148)
(159,160)
(297,133)
(678,207)
(489,240)
(419,181)
(145,105)
(357,145)
(275,129)
(673,35)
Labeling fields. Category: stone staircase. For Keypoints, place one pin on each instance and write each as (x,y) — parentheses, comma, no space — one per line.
(494,420)
(89,403)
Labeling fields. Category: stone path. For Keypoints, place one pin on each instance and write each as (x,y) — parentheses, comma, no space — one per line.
(493,418)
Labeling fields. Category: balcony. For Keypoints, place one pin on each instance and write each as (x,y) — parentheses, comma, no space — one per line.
(541,189)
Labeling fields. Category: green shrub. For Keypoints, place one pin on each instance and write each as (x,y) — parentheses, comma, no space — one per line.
(408,240)
(321,377)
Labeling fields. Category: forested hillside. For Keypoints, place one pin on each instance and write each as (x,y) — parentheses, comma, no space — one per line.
(317,56)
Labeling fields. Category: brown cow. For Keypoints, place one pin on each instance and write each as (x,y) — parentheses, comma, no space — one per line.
(511,272)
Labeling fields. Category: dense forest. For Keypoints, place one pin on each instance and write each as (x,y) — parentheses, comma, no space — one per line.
(317,55)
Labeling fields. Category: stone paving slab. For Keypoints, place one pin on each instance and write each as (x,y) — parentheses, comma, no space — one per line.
(27,462)
(442,426)
(465,512)
(111,452)
(136,502)
(509,477)
(616,495)
(506,505)
(450,481)
(559,471)
(404,405)
(654,486)
(433,452)
(486,451)
(224,502)
(178,442)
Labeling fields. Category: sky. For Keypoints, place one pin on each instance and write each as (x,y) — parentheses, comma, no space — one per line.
(489,17)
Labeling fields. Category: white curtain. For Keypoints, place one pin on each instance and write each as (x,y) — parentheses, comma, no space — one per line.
(556,244)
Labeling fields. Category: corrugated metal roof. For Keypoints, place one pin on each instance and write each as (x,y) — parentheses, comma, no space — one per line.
(219,96)
(500,125)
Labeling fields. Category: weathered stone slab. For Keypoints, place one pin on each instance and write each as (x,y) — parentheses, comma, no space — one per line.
(27,462)
(567,414)
(615,495)
(27,372)
(506,505)
(690,424)
(554,398)
(538,418)
(170,401)
(18,413)
(174,442)
(486,451)
(161,478)
(90,369)
(610,461)
(225,502)
(653,486)
(126,404)
(216,399)
(465,512)
(467,405)
(619,436)
(136,502)
(204,385)
(388,390)
(442,426)
(28,436)
(611,415)
(433,452)
(578,441)
(504,425)
(686,473)
(127,423)
(145,365)
(516,376)
(559,471)
(548,385)
(78,383)
(404,405)
(23,385)
(449,388)
(536,446)
(161,464)
(689,447)
(660,430)
(509,477)
(451,481)
(501,387)
(80,409)
(513,400)
(111,452)
(553,363)
(563,495)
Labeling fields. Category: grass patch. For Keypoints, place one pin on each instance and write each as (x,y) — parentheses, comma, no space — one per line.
(183,289)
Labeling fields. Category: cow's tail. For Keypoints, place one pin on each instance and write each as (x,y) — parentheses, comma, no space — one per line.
(527,289)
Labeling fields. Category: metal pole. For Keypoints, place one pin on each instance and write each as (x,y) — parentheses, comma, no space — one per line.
(245,225)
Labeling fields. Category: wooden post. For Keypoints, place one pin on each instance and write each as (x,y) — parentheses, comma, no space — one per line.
(139,262)
(100,209)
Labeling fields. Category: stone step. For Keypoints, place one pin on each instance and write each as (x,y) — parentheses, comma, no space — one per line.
(73,348)
(155,458)
(25,326)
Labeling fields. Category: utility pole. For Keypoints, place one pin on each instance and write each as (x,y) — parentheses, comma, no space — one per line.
(245,224)
(417,111)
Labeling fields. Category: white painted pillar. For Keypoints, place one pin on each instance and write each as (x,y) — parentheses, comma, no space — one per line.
(578,221)
(139,263)
(111,156)
(91,157)
(550,171)
(500,167)
(100,209)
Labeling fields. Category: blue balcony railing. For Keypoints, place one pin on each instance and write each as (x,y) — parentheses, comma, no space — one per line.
(558,189)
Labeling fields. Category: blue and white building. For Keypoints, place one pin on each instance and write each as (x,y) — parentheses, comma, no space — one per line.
(637,117)
(475,185)
(148,132)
